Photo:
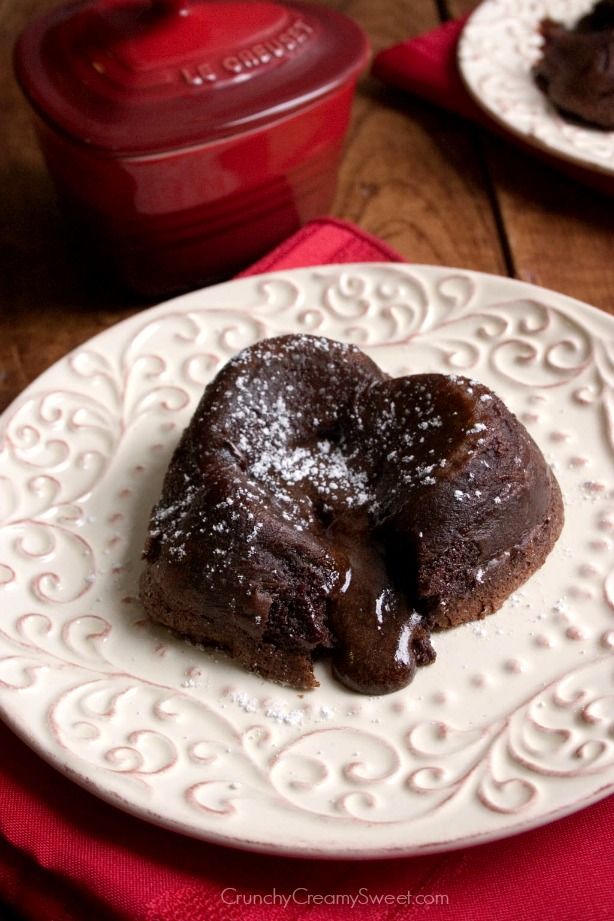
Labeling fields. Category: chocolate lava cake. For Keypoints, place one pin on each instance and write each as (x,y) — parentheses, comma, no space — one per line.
(314,504)
(576,70)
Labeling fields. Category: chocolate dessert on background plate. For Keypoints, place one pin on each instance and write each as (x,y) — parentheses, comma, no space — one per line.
(576,70)
(315,505)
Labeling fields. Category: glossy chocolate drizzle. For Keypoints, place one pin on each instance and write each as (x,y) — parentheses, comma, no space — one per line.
(381,638)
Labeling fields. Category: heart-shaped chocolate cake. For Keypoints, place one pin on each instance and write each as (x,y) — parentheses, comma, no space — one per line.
(576,68)
(315,504)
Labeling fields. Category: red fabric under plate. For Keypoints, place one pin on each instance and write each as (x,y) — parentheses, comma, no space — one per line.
(324,241)
(67,856)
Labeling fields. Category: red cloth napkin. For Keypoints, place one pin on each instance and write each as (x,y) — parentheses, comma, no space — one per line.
(427,67)
(67,856)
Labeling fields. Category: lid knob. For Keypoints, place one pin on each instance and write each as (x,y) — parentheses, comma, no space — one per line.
(172,6)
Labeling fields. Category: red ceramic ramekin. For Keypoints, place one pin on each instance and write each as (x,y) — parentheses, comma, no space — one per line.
(187,137)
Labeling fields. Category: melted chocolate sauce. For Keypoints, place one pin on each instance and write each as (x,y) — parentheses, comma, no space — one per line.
(380,637)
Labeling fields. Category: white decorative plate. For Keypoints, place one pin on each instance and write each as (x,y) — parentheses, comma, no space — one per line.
(510,728)
(497,50)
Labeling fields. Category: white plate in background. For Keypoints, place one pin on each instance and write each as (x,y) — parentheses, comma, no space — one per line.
(497,50)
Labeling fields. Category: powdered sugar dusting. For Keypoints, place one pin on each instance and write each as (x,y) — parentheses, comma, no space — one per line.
(326,467)
(294,434)
(280,714)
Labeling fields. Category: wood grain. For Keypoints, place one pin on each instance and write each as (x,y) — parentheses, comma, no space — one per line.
(408,173)
(49,302)
(428,183)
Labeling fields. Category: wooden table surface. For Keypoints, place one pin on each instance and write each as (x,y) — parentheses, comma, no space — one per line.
(436,188)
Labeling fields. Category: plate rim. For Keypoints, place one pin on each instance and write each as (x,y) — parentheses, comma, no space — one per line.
(298,852)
